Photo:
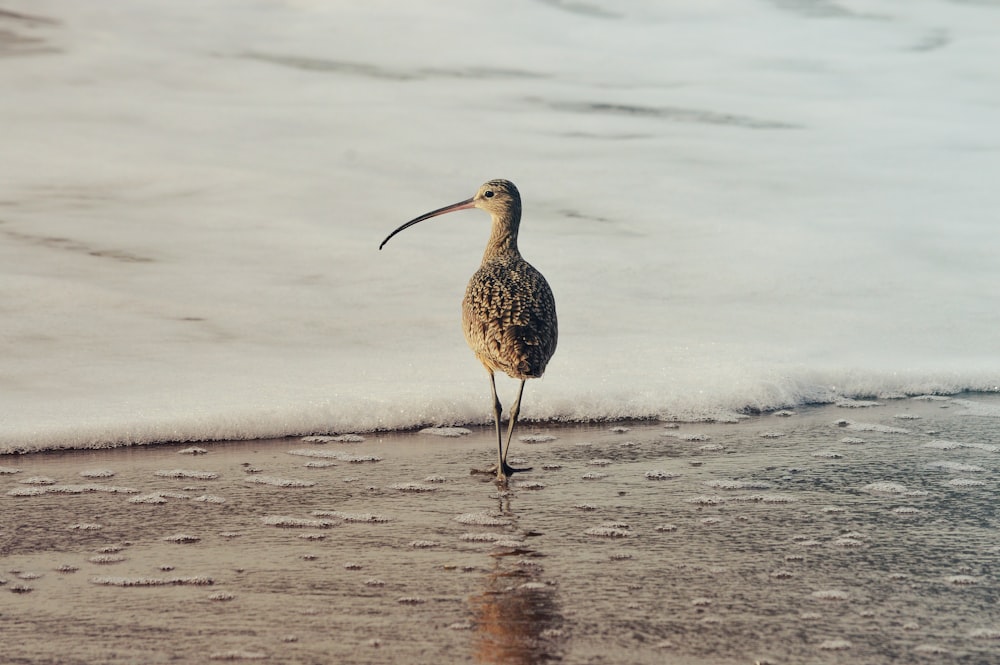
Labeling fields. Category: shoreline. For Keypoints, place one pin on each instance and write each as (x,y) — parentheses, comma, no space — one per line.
(799,537)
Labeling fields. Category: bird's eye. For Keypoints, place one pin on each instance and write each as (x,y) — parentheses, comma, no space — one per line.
(488,194)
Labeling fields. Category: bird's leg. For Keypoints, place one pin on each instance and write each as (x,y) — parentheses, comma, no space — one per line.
(497,412)
(514,411)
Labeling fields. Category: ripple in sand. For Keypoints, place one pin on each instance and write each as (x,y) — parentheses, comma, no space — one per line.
(666,528)
(375,582)
(594,475)
(585,506)
(278,482)
(8,470)
(67,568)
(905,511)
(706,500)
(955,445)
(371,518)
(771,435)
(536,438)
(193,450)
(221,596)
(482,519)
(602,461)
(482,537)
(609,530)
(332,454)
(410,600)
(186,473)
(353,566)
(529,485)
(286,522)
(446,431)
(854,441)
(435,479)
(317,464)
(97,473)
(658,474)
(835,645)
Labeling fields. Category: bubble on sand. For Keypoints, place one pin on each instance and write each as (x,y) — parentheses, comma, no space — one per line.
(446,431)
(435,479)
(694,437)
(536,438)
(315,464)
(607,532)
(905,511)
(410,600)
(737,484)
(230,534)
(20,588)
(834,595)
(847,542)
(237,654)
(985,634)
(551,467)
(529,485)
(312,536)
(600,462)
(106,558)
(906,416)
(8,470)
(827,454)
(370,518)
(70,489)
(285,522)
(763,498)
(594,475)
(85,526)
(340,438)
(278,482)
(961,580)
(38,480)
(423,544)
(152,581)
(835,645)
(97,473)
(413,487)
(847,403)
(482,519)
(186,473)
(658,474)
(209,498)
(931,649)
(221,596)
(193,450)
(67,568)
(482,537)
(771,435)
(666,528)
(830,510)
(617,556)
(706,500)
(158,497)
(782,574)
(891,488)
(711,447)
(784,413)
(871,427)
(374,581)
(182,539)
(461,625)
(851,440)
(966,482)
(956,467)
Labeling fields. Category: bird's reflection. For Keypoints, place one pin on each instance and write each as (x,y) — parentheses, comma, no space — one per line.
(517,617)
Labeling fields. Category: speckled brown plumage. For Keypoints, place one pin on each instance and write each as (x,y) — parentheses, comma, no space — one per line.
(508,313)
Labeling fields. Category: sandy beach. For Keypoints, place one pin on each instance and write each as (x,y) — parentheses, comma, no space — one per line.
(856,533)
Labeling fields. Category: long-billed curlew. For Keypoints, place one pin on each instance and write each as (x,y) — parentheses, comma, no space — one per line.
(508,313)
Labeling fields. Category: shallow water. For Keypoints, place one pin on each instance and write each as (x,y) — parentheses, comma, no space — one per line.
(827,535)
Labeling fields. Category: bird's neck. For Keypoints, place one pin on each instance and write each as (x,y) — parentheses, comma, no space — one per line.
(503,237)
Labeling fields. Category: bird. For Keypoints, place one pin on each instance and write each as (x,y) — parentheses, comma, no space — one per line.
(508,312)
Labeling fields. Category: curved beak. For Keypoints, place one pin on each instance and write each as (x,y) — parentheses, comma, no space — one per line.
(461,205)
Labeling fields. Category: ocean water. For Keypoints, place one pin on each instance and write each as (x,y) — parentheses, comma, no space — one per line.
(739,206)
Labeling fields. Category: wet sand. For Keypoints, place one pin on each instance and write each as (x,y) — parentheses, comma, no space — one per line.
(826,535)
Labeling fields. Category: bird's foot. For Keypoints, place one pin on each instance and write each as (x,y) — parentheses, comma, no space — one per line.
(503,472)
